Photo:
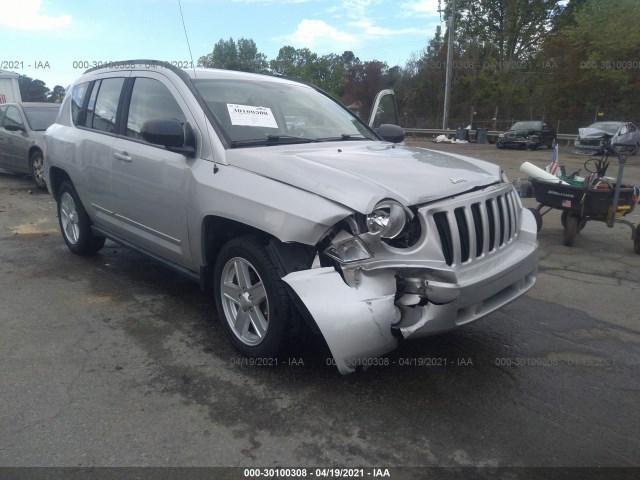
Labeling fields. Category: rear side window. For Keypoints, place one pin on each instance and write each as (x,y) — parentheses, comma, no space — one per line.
(77,101)
(104,113)
(151,100)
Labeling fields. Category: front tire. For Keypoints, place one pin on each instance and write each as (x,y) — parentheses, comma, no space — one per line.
(75,224)
(252,302)
(36,168)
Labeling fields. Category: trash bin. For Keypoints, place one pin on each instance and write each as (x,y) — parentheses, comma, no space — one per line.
(481,135)
(462,134)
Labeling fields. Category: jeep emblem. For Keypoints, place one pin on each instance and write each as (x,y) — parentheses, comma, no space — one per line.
(457,180)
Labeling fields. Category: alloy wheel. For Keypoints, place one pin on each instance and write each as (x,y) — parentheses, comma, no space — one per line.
(69,218)
(244,301)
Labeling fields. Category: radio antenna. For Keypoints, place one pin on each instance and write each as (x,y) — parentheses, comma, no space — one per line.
(187,37)
(193,67)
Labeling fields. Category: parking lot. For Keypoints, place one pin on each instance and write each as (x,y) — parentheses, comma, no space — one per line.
(115,360)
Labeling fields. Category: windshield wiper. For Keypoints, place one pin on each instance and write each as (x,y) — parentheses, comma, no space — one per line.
(345,136)
(271,140)
(288,139)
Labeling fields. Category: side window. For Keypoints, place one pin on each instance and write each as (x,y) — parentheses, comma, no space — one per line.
(106,105)
(2,111)
(12,117)
(151,100)
(77,100)
(87,119)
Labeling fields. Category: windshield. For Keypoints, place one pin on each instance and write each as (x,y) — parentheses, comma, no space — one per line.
(609,127)
(40,118)
(254,112)
(526,126)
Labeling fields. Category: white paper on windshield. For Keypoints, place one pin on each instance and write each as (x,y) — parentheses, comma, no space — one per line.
(249,116)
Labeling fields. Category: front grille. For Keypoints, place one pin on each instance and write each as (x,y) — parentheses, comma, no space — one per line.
(471,231)
(590,143)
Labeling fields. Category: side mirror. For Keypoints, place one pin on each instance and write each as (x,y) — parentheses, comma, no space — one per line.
(170,133)
(15,128)
(391,133)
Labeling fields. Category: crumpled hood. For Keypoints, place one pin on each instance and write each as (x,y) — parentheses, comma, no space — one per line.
(358,174)
(592,132)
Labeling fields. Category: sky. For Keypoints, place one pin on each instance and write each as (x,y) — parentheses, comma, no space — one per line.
(56,40)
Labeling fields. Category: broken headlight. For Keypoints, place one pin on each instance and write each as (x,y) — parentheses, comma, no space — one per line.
(388,219)
(346,248)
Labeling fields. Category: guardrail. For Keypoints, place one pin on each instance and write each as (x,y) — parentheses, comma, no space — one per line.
(492,135)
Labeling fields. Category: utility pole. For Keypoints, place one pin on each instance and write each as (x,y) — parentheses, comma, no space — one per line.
(447,85)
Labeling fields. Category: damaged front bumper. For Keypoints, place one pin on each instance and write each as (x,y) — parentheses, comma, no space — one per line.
(362,315)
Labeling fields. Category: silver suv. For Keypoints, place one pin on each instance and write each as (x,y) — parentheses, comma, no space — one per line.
(290,208)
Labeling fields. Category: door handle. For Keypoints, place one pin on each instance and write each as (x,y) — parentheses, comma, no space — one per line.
(122,156)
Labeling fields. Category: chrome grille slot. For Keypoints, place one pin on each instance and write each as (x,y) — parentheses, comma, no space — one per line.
(470,230)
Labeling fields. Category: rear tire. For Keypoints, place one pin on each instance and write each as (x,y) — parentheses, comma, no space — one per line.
(75,224)
(36,168)
(252,302)
(636,241)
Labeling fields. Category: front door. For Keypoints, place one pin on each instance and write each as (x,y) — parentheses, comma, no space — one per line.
(150,184)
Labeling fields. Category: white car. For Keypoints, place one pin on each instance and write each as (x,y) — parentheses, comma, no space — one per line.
(291,209)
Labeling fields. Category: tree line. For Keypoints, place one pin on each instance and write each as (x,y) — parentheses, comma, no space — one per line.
(568,63)
(34,90)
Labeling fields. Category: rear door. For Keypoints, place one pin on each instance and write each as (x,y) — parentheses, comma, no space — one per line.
(151,184)
(96,118)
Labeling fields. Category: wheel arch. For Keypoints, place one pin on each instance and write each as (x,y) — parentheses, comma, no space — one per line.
(215,233)
(56,177)
(32,150)
(286,257)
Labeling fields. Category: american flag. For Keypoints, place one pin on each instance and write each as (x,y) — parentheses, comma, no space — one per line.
(553,167)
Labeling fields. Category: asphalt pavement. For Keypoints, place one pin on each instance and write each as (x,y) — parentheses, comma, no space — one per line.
(114,360)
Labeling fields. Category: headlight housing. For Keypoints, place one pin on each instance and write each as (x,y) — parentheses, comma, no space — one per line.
(348,249)
(388,219)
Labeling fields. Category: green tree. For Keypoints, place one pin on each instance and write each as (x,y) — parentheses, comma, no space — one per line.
(598,63)
(32,90)
(327,72)
(363,81)
(242,55)
(57,94)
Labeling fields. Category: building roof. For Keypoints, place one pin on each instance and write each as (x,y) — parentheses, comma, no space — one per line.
(8,74)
